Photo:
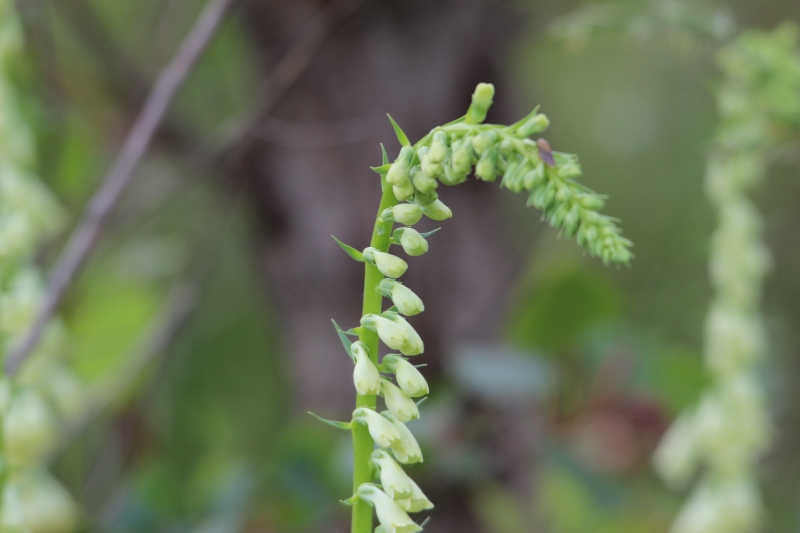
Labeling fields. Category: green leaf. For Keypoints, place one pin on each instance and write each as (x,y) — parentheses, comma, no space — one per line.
(338,425)
(344,339)
(400,135)
(352,252)
(429,233)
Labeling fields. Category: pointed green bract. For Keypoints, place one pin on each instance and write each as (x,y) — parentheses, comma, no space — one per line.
(347,426)
(401,136)
(352,252)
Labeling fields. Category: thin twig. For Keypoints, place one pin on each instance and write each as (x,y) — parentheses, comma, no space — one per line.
(119,176)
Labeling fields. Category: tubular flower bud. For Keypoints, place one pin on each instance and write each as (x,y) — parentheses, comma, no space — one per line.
(413,343)
(412,242)
(365,375)
(403,298)
(391,516)
(395,481)
(436,210)
(401,406)
(407,451)
(438,151)
(408,377)
(429,168)
(398,173)
(407,214)
(403,192)
(462,157)
(28,429)
(487,165)
(391,333)
(417,502)
(535,124)
(449,176)
(382,431)
(389,265)
(481,101)
(424,199)
(483,142)
(424,182)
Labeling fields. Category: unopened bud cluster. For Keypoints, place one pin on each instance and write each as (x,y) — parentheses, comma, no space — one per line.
(31,403)
(730,428)
(449,153)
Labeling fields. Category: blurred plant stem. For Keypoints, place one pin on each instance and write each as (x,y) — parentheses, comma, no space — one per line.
(362,442)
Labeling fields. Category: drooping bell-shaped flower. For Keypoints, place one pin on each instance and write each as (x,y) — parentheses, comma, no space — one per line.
(403,298)
(406,214)
(407,451)
(417,501)
(391,333)
(389,265)
(413,344)
(412,242)
(396,483)
(409,379)
(365,374)
(382,430)
(391,516)
(437,211)
(399,404)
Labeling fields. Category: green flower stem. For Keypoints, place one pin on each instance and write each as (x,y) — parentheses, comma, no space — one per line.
(362,442)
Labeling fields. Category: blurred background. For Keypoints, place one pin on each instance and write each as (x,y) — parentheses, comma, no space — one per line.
(203,316)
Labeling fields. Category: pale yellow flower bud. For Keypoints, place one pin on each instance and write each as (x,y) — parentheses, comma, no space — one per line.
(403,298)
(412,242)
(417,502)
(437,211)
(413,343)
(399,404)
(391,333)
(391,516)
(408,377)
(406,214)
(395,481)
(407,451)
(382,431)
(365,375)
(389,265)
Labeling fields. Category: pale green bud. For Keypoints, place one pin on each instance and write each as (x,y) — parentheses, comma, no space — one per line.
(365,375)
(678,453)
(536,124)
(408,214)
(462,157)
(436,210)
(46,506)
(391,516)
(398,173)
(412,242)
(29,428)
(403,192)
(534,178)
(449,176)
(424,183)
(403,298)
(438,151)
(408,377)
(424,199)
(482,142)
(487,165)
(399,404)
(413,343)
(391,333)
(407,451)
(417,502)
(481,101)
(382,431)
(389,265)
(395,481)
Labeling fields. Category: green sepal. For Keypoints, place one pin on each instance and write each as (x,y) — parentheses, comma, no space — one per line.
(393,309)
(425,522)
(344,339)
(352,252)
(383,169)
(520,122)
(347,426)
(420,366)
(429,233)
(419,402)
(379,227)
(400,135)
(351,501)
(385,155)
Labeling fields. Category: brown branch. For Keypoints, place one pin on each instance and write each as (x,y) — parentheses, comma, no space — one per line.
(119,176)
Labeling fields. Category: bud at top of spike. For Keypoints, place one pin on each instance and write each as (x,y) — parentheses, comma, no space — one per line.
(365,374)
(382,431)
(481,101)
(399,404)
(403,298)
(436,210)
(408,377)
(536,124)
(391,516)
(412,242)
(389,265)
(407,214)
